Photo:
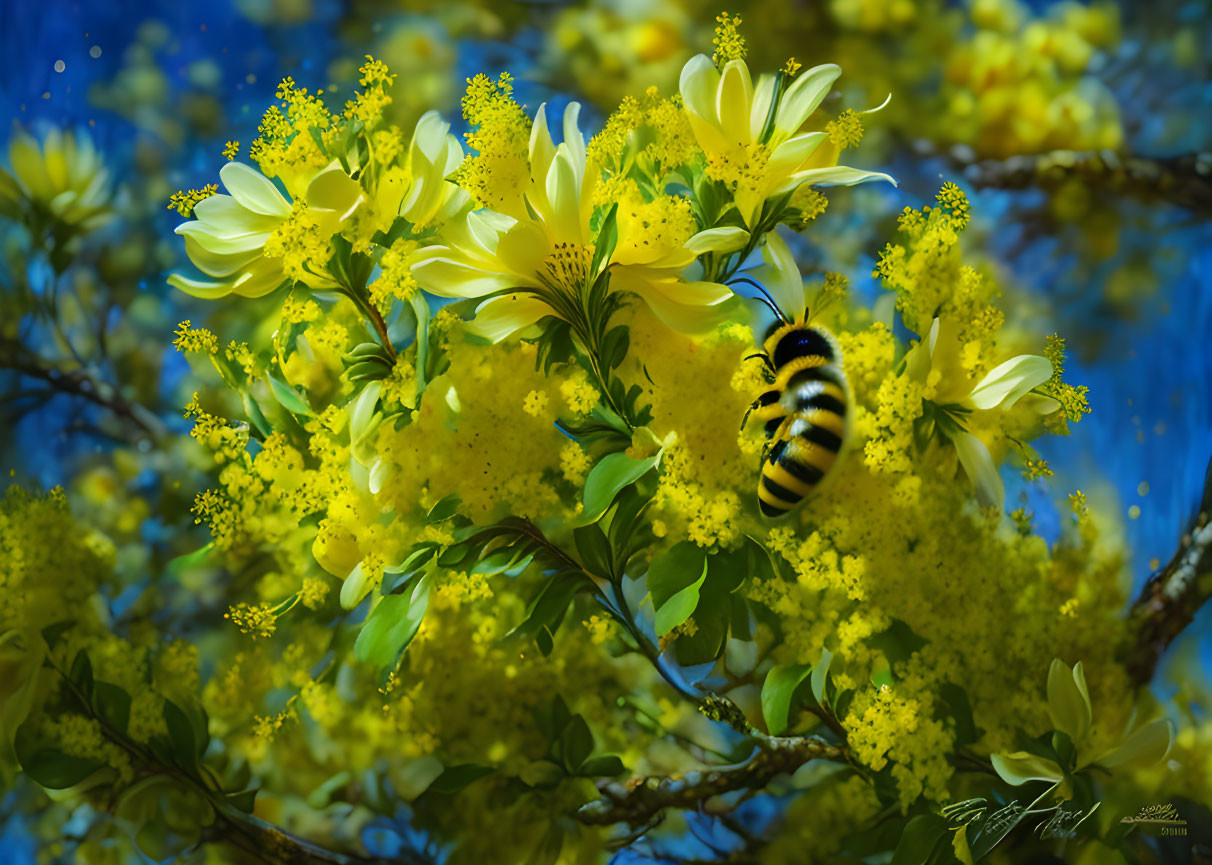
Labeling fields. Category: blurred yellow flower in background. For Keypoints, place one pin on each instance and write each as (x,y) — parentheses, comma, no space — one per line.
(61,181)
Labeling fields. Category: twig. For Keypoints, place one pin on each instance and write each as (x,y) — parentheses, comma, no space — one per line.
(1184,180)
(253,835)
(80,383)
(640,801)
(1169,600)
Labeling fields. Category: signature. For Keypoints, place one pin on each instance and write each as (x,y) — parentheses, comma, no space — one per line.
(1165,814)
(1057,821)
(988,825)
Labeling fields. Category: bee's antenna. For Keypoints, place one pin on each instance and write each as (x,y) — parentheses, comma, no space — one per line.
(769,301)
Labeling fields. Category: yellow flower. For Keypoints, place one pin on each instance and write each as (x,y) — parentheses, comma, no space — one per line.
(936,362)
(541,264)
(253,239)
(227,237)
(421,193)
(63,180)
(755,150)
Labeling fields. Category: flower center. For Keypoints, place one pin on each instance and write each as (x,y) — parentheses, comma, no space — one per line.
(566,268)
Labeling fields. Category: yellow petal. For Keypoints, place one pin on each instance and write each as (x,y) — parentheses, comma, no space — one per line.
(223,216)
(734,99)
(253,190)
(204,236)
(836,175)
(332,189)
(54,155)
(698,85)
(978,465)
(201,287)
(498,318)
(564,194)
(28,165)
(804,95)
(542,148)
(218,263)
(264,275)
(448,277)
(763,95)
(728,238)
(573,139)
(689,307)
(780,276)
(1010,381)
(789,156)
(1068,702)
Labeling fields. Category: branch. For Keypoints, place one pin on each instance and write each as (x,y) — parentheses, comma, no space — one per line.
(1184,180)
(640,802)
(1171,597)
(274,846)
(231,826)
(81,384)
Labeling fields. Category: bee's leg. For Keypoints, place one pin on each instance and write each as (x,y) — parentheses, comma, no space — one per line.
(749,411)
(766,363)
(765,399)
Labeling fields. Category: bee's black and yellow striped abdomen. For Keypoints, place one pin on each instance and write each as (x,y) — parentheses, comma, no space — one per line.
(805,412)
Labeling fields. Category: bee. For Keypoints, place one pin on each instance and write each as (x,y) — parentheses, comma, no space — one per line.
(805,409)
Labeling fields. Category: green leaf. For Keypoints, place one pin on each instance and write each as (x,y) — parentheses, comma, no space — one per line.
(680,607)
(777,693)
(1021,767)
(820,675)
(922,836)
(595,550)
(897,642)
(674,570)
(604,766)
(81,674)
(181,736)
(499,561)
(244,801)
(961,710)
(444,509)
(1146,746)
(552,717)
(547,851)
(391,625)
(362,411)
(287,396)
(604,244)
(53,633)
(455,778)
(188,561)
(959,844)
(546,611)
(615,345)
(255,416)
(112,705)
(1069,700)
(367,370)
(55,770)
(542,774)
(612,473)
(462,553)
(576,743)
(49,766)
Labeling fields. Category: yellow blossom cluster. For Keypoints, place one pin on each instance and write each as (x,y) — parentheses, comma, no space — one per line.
(485,419)
(185,201)
(497,173)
